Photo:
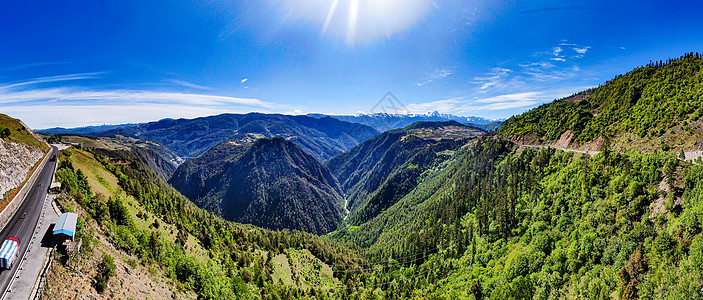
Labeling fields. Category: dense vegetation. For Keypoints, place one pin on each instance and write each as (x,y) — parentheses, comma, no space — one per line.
(322,138)
(380,171)
(648,102)
(456,218)
(270,183)
(545,224)
(239,264)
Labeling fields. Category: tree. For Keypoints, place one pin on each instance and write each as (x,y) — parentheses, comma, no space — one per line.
(106,269)
(5,133)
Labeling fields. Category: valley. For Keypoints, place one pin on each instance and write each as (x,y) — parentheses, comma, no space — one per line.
(434,209)
(344,150)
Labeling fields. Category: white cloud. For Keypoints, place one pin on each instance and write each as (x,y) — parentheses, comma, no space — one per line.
(557,51)
(58,78)
(126,97)
(466,107)
(557,59)
(436,75)
(244,80)
(510,97)
(357,22)
(55,115)
(188,84)
(462,106)
(41,108)
(581,50)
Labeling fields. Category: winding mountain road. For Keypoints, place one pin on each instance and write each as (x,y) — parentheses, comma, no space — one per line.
(25,220)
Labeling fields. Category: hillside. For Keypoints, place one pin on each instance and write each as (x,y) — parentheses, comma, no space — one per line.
(499,223)
(270,183)
(380,171)
(163,247)
(20,150)
(160,159)
(322,138)
(655,107)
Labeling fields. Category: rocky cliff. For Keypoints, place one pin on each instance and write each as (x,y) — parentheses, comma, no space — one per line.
(16,159)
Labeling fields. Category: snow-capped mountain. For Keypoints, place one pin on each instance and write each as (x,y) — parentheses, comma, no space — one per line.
(385,121)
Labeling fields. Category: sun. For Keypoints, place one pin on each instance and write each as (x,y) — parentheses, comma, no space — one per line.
(358,22)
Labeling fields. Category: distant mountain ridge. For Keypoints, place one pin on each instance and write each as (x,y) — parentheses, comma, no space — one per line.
(84,130)
(385,121)
(323,138)
(270,183)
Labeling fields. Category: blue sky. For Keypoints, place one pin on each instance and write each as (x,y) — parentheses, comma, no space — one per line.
(74,63)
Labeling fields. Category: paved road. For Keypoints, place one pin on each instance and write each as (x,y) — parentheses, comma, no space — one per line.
(22,226)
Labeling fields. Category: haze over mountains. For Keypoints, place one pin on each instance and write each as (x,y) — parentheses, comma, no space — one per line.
(387,121)
(322,138)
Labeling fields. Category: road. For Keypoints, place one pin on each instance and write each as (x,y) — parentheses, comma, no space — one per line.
(589,152)
(22,226)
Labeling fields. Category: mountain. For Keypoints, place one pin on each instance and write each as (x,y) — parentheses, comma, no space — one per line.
(85,130)
(322,138)
(380,171)
(147,240)
(158,158)
(655,107)
(384,121)
(270,183)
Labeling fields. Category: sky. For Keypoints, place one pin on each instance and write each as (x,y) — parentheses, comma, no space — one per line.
(76,63)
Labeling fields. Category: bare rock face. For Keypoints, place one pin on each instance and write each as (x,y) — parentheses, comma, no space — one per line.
(16,159)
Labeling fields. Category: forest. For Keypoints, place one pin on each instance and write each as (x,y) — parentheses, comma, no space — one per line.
(479,218)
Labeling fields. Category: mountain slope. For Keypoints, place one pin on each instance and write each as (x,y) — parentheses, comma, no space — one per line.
(656,107)
(380,171)
(322,138)
(270,183)
(160,159)
(167,248)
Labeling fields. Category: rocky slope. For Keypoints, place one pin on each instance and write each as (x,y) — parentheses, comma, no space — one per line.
(16,159)
(19,152)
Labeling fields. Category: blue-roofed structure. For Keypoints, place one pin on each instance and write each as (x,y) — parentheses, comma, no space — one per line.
(66,224)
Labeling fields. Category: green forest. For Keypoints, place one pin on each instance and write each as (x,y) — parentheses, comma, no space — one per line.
(648,102)
(470,217)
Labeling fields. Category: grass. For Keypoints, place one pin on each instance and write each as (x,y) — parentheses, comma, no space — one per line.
(302,269)
(103,181)
(20,134)
(100,179)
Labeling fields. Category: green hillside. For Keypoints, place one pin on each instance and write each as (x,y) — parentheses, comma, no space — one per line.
(499,223)
(12,130)
(380,171)
(151,222)
(653,107)
(271,183)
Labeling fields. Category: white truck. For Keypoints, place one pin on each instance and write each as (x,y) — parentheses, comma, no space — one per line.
(9,251)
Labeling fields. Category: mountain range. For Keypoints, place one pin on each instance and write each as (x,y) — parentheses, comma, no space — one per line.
(385,121)
(438,210)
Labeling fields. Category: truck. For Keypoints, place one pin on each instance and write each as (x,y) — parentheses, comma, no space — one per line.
(9,251)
